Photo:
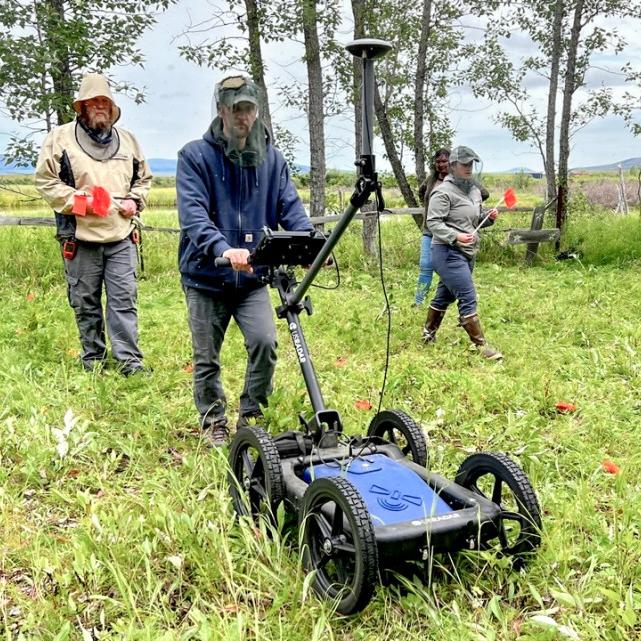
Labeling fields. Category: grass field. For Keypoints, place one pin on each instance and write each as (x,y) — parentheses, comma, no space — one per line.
(130,534)
(17,192)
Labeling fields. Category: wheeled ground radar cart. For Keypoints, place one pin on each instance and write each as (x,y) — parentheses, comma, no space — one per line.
(365,503)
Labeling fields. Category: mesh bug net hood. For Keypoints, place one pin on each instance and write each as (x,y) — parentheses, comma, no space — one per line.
(465,157)
(238,125)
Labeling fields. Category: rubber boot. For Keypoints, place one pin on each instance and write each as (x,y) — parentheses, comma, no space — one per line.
(472,325)
(433,322)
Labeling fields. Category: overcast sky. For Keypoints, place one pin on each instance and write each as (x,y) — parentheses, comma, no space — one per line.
(178,106)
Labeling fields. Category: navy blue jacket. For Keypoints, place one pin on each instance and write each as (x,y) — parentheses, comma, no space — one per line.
(222,205)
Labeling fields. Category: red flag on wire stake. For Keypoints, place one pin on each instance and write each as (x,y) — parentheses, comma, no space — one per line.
(508,199)
(101,201)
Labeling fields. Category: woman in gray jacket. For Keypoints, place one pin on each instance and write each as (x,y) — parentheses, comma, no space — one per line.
(453,216)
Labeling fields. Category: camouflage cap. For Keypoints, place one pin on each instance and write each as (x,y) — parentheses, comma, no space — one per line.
(234,89)
(463,155)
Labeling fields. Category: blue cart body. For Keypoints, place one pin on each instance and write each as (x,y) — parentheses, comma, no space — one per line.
(393,493)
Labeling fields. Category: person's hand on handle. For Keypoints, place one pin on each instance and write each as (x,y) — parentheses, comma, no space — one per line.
(465,239)
(493,214)
(239,259)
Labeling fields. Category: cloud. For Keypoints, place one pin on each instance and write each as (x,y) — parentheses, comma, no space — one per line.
(178,105)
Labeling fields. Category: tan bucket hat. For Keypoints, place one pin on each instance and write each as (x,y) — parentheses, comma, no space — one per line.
(92,86)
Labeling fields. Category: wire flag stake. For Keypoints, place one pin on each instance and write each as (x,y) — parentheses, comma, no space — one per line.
(509,199)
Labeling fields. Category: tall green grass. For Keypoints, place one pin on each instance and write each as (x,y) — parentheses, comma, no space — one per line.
(131,534)
(600,237)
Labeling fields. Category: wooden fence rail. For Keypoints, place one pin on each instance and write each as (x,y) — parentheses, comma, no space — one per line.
(316,220)
(532,236)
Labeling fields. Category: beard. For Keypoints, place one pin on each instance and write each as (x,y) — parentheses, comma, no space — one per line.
(98,122)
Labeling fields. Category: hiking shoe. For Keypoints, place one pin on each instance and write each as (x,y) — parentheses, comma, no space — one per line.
(94,365)
(131,370)
(251,418)
(216,435)
(215,430)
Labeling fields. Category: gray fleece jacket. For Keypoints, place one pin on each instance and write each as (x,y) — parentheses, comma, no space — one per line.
(451,212)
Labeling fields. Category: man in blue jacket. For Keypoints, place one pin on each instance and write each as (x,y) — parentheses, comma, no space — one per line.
(230,184)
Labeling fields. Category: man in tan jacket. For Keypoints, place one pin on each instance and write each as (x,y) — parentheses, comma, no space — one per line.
(96,179)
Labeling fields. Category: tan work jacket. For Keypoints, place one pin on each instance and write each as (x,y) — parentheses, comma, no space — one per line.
(124,175)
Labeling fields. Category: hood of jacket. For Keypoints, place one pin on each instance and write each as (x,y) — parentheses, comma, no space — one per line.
(223,205)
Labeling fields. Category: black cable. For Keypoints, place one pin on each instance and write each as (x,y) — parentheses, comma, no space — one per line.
(338,277)
(387,305)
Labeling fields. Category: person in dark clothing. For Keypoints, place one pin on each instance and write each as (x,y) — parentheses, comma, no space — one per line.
(230,184)
(438,170)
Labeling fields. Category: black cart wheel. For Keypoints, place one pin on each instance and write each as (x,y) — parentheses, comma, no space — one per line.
(500,479)
(255,479)
(402,430)
(339,543)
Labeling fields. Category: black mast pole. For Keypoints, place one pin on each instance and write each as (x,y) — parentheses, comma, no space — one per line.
(368,49)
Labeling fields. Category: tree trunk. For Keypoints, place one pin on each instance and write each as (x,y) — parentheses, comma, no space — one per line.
(315,109)
(392,155)
(60,69)
(43,76)
(569,88)
(553,89)
(419,92)
(256,63)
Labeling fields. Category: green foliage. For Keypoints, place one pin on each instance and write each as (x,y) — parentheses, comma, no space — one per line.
(287,142)
(130,535)
(45,48)
(599,237)
(493,73)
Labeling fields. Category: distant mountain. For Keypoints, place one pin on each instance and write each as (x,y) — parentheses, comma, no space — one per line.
(162,166)
(158,166)
(629,163)
(14,169)
(519,170)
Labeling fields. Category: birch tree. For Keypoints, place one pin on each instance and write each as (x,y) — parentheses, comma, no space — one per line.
(568,35)
(413,80)
(48,44)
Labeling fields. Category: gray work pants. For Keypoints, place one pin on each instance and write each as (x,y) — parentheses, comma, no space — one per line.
(113,264)
(209,317)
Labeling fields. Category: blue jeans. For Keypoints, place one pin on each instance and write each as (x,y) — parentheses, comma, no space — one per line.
(455,272)
(425,270)
(209,317)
